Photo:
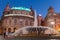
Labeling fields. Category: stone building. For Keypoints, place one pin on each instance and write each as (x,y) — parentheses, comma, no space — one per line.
(18,17)
(52,19)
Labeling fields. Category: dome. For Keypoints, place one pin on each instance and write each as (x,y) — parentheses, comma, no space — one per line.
(21,8)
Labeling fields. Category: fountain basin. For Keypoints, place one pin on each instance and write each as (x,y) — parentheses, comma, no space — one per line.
(34,31)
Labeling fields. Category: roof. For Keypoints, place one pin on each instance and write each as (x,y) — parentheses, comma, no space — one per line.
(50,8)
(56,15)
(21,8)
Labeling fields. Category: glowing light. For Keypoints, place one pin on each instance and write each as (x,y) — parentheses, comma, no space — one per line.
(58,29)
(52,22)
(21,8)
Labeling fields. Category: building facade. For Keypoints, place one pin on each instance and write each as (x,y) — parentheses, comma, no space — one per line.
(18,17)
(52,19)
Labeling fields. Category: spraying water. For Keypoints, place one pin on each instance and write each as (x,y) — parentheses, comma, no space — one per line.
(24,31)
(35,19)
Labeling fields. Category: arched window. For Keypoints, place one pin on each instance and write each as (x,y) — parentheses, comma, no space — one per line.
(9,30)
(14,29)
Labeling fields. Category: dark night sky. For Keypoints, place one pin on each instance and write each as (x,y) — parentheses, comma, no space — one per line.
(41,6)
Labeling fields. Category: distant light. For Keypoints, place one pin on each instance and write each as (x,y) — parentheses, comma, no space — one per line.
(58,29)
(21,8)
(40,15)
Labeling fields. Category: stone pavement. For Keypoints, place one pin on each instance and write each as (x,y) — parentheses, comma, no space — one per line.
(1,37)
(25,38)
(29,39)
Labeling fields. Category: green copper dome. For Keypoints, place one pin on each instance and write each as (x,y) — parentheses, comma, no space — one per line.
(21,8)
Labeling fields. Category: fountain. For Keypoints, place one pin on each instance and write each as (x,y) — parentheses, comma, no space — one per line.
(35,28)
(35,18)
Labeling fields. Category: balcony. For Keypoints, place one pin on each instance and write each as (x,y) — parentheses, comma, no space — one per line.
(18,15)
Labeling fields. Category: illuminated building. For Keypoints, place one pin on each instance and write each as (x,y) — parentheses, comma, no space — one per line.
(53,19)
(19,17)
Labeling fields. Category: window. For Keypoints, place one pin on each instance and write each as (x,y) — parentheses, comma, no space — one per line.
(13,12)
(9,30)
(31,23)
(26,22)
(15,21)
(21,22)
(18,12)
(14,29)
(10,21)
(23,12)
(5,29)
(5,21)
